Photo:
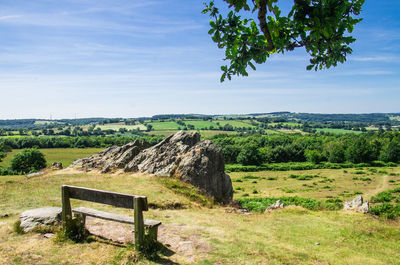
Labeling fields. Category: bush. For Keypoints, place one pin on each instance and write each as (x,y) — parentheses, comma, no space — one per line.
(29,160)
(386,210)
(260,204)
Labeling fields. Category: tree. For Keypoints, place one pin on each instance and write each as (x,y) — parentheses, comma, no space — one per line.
(28,160)
(250,155)
(320,26)
(2,152)
(359,151)
(391,152)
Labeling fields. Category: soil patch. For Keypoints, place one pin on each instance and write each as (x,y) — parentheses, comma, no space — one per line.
(185,241)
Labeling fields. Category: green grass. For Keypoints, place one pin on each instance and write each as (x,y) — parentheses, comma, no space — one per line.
(117,126)
(165,125)
(64,155)
(321,184)
(286,236)
(336,131)
(203,133)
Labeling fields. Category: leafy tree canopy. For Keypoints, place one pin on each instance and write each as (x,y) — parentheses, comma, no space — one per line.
(322,27)
(28,160)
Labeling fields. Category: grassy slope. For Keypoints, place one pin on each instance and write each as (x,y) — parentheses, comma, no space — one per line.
(331,183)
(64,155)
(282,237)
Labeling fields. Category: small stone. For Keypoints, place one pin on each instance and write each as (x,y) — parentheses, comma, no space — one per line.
(276,205)
(48,235)
(36,174)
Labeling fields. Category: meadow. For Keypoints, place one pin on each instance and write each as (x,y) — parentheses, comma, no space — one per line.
(286,236)
(64,155)
(293,235)
(336,131)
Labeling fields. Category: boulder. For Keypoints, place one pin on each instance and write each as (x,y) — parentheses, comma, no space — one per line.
(357,204)
(181,155)
(56,165)
(276,205)
(41,216)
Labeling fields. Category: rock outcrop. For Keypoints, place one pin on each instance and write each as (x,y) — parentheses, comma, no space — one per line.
(357,204)
(41,216)
(111,158)
(181,155)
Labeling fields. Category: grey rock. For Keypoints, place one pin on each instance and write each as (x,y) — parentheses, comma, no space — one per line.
(41,216)
(36,174)
(276,205)
(181,155)
(48,235)
(357,204)
(364,208)
(110,159)
(56,165)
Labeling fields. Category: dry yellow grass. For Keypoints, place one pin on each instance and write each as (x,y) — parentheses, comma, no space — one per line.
(282,237)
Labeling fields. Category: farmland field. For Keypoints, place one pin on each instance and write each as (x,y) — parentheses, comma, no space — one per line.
(203,133)
(117,126)
(163,126)
(338,131)
(64,155)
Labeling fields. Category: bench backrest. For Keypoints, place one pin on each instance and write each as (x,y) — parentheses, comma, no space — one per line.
(116,199)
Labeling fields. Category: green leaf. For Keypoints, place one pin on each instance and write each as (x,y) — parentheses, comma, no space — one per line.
(252,66)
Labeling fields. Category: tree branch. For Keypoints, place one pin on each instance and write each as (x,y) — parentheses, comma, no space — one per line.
(262,12)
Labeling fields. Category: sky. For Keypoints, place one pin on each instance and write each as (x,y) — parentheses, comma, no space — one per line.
(131,58)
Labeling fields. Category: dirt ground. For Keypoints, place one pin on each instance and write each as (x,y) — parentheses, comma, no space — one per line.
(184,242)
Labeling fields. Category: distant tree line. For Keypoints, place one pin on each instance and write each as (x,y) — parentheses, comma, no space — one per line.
(72,142)
(259,149)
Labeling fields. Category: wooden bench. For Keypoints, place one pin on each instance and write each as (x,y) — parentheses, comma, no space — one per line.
(135,202)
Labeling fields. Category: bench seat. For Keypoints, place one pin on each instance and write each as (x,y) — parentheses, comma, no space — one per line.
(113,217)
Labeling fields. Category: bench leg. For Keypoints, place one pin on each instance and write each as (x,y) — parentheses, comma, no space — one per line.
(82,220)
(152,234)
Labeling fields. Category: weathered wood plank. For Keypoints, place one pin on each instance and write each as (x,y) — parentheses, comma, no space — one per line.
(113,217)
(106,197)
(66,215)
(139,224)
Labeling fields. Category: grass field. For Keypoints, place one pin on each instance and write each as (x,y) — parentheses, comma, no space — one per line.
(203,133)
(320,184)
(64,155)
(117,126)
(330,130)
(287,236)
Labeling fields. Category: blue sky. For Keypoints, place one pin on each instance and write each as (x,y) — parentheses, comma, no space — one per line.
(130,58)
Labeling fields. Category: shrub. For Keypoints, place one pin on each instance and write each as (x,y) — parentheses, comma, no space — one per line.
(385,196)
(29,160)
(260,204)
(386,210)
